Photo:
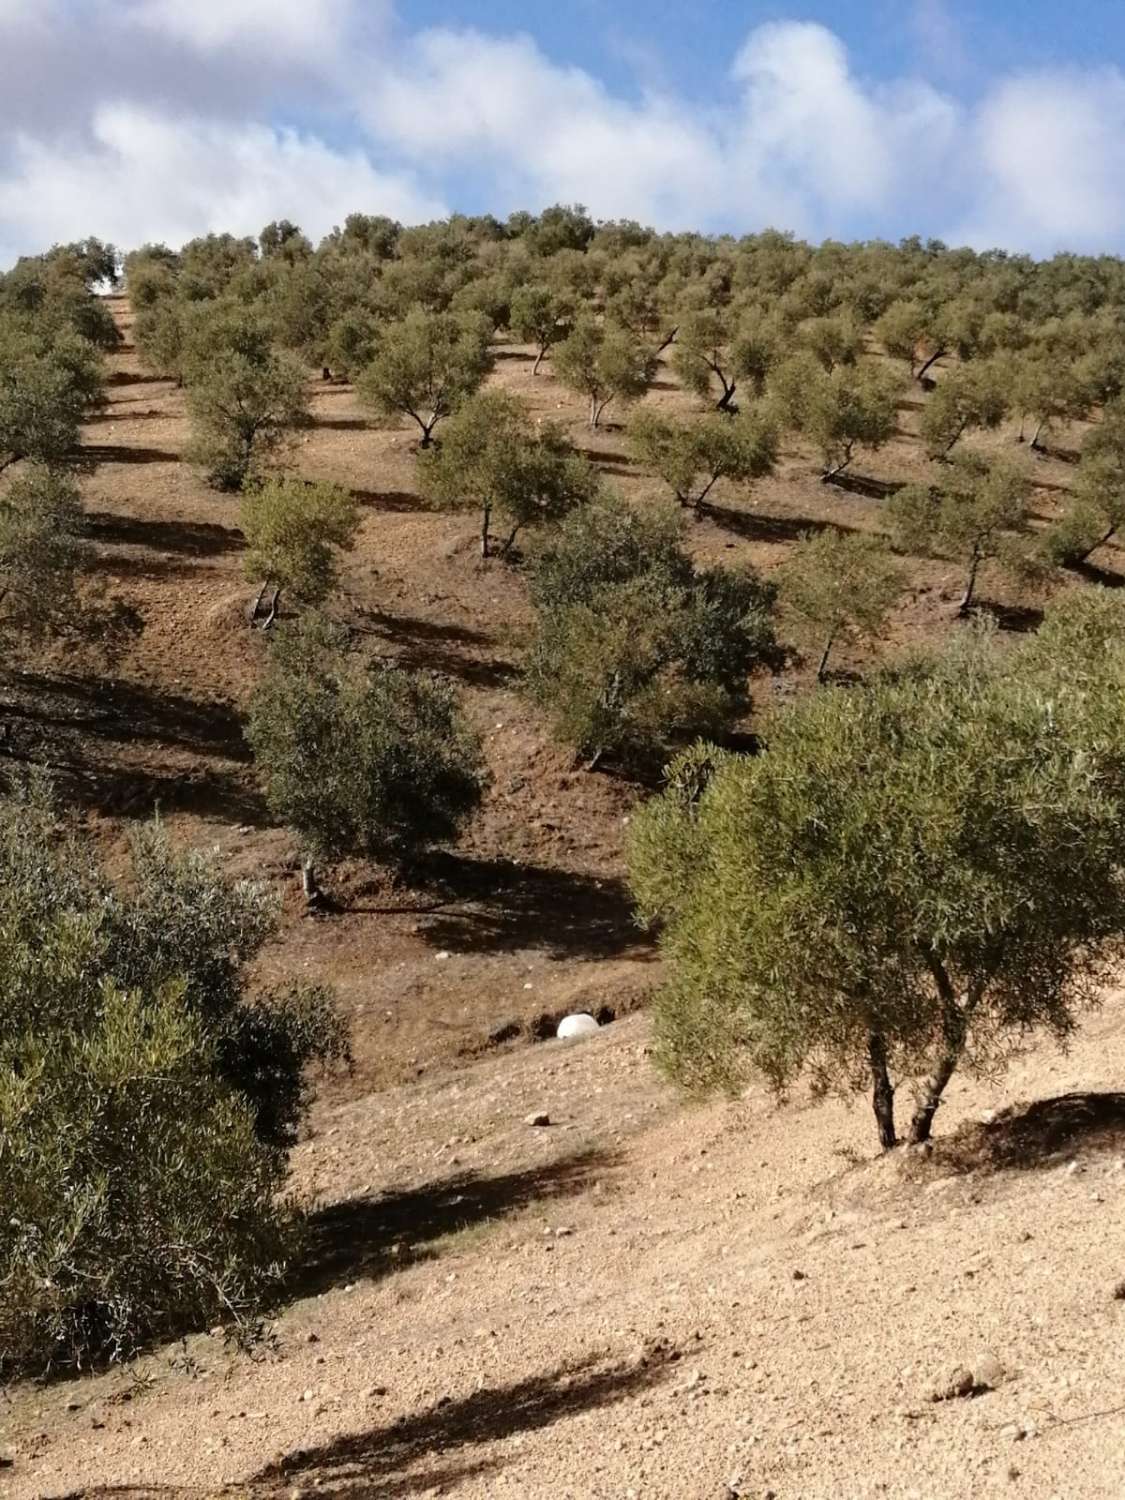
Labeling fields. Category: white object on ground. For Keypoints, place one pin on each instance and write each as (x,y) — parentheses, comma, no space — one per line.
(572,1026)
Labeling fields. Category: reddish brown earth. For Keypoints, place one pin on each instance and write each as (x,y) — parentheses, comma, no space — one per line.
(746,1301)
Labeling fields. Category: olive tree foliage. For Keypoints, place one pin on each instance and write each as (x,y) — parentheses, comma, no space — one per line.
(635,649)
(900,330)
(838,587)
(976,512)
(147,1097)
(295,532)
(244,397)
(494,458)
(839,410)
(55,293)
(426,365)
(691,457)
(832,341)
(361,757)
(541,316)
(916,873)
(1046,389)
(604,363)
(972,397)
(1095,509)
(42,553)
(48,382)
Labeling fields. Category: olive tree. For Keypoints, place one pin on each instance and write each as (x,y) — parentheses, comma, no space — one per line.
(914,873)
(424,366)
(976,512)
(837,586)
(1096,506)
(41,552)
(133,1045)
(493,457)
(604,364)
(244,398)
(541,316)
(692,456)
(635,649)
(295,532)
(47,385)
(973,397)
(360,757)
(840,410)
(702,355)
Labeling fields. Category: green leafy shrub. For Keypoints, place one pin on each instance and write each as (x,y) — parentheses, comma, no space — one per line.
(146,1100)
(359,757)
(294,532)
(244,398)
(494,458)
(838,586)
(914,872)
(425,365)
(636,650)
(691,457)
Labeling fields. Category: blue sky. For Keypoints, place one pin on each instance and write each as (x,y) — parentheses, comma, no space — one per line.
(989,124)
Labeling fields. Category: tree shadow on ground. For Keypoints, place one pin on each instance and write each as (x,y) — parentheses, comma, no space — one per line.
(1092,573)
(343,424)
(367,1238)
(136,377)
(1030,1136)
(1020,618)
(122,453)
(506,907)
(607,459)
(753,527)
(126,712)
(193,538)
(391,502)
(866,485)
(401,1487)
(430,646)
(368,1463)
(140,793)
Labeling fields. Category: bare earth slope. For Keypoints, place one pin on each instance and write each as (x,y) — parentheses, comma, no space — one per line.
(646,1299)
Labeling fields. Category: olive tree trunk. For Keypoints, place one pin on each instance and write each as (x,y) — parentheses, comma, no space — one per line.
(882,1092)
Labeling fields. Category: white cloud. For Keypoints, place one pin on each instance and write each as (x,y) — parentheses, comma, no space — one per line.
(544,132)
(145,118)
(804,141)
(305,28)
(150,177)
(1051,153)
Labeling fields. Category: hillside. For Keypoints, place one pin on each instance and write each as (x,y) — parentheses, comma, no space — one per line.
(531,910)
(644,1297)
(639,1300)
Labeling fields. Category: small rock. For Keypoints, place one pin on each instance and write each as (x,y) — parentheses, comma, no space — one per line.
(1119,1292)
(312,1338)
(563,1231)
(538,1118)
(959,1384)
(443,957)
(1073,1168)
(799,1276)
(217,1332)
(307,1395)
(989,1373)
(74,1406)
(6,1462)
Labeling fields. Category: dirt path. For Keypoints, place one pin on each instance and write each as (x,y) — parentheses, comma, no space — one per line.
(646,1299)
